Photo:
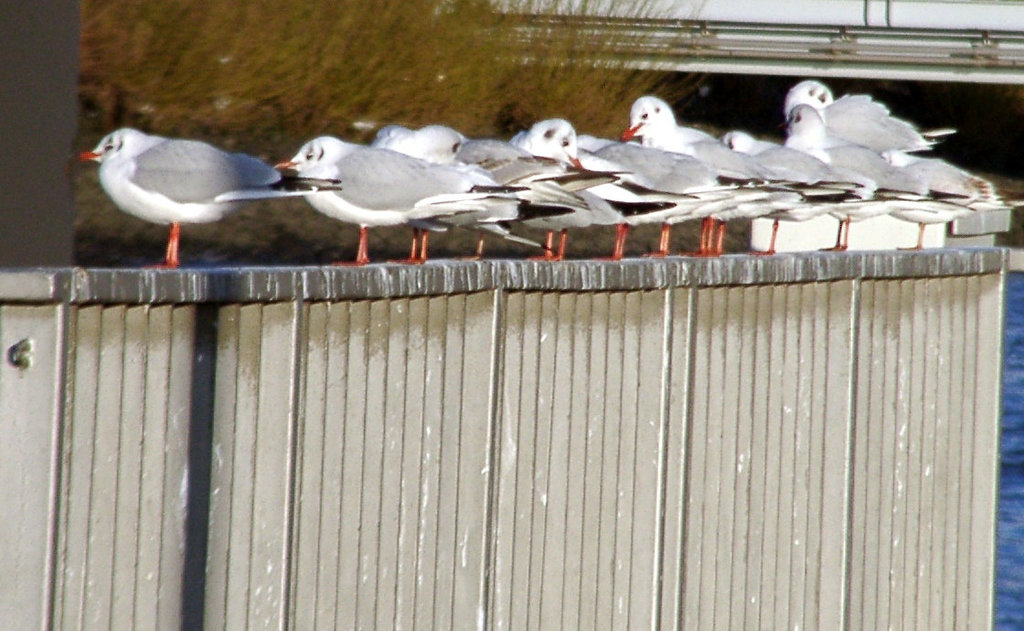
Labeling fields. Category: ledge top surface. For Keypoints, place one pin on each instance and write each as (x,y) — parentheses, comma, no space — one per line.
(269,284)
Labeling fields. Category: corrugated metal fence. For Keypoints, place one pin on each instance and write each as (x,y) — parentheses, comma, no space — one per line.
(805,441)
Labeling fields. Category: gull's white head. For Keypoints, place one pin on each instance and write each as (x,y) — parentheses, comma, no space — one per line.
(554,138)
(434,143)
(647,115)
(805,131)
(125,142)
(809,92)
(805,122)
(318,157)
(739,141)
(390,134)
(742,142)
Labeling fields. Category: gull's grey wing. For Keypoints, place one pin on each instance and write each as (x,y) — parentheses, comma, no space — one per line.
(869,123)
(483,151)
(191,171)
(729,164)
(950,182)
(870,164)
(380,179)
(666,171)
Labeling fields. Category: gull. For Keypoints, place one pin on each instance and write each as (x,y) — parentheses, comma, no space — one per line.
(499,160)
(650,116)
(745,143)
(698,191)
(859,119)
(654,123)
(547,188)
(957,192)
(174,181)
(655,186)
(548,182)
(814,176)
(387,188)
(440,144)
(818,182)
(898,189)
(633,195)
(434,143)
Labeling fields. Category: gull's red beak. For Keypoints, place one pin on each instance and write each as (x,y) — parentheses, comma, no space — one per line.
(287,164)
(576,163)
(85,156)
(630,133)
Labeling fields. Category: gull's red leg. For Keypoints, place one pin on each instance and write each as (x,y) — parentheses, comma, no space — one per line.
(171,253)
(362,250)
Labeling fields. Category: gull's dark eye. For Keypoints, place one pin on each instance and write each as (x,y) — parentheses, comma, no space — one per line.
(309,155)
(643,116)
(455,147)
(565,142)
(821,97)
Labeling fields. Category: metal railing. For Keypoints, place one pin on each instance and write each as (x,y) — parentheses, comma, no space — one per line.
(748,442)
(758,46)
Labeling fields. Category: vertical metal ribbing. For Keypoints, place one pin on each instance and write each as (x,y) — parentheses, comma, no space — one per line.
(813,453)
(938,510)
(578,593)
(922,463)
(852,457)
(697,458)
(579,500)
(199,460)
(33,349)
(758,347)
(253,431)
(311,494)
(924,349)
(494,462)
(84,359)
(224,502)
(666,458)
(768,445)
(61,394)
(296,395)
(678,418)
(985,467)
(121,537)
(397,445)
(414,469)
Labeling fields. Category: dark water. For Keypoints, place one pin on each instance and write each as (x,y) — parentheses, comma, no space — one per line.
(1010,561)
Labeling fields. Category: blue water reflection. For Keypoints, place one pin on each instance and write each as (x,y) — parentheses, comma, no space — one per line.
(1010,560)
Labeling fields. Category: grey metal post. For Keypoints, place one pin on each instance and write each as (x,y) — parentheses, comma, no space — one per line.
(38,88)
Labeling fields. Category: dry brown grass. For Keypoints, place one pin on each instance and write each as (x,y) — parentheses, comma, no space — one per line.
(303,68)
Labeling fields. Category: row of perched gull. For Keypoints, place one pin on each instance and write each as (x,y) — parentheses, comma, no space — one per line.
(846,157)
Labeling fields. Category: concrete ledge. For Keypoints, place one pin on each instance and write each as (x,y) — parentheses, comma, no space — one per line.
(1015,260)
(263,284)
